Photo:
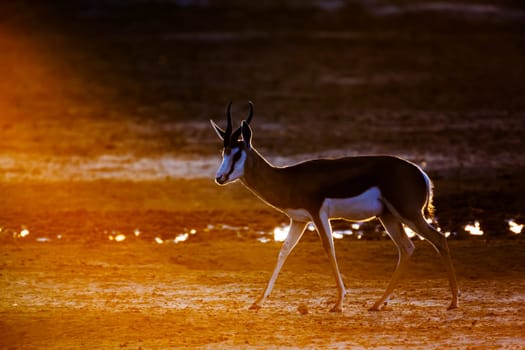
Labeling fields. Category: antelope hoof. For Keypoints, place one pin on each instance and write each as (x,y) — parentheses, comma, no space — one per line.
(452,306)
(337,308)
(255,306)
(377,306)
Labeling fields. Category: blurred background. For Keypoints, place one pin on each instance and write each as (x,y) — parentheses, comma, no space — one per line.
(105,106)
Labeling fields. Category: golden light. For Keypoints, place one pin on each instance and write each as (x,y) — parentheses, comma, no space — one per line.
(181,238)
(120,237)
(356,225)
(474,229)
(337,235)
(410,233)
(264,239)
(159,240)
(136,232)
(24,233)
(310,227)
(280,233)
(514,227)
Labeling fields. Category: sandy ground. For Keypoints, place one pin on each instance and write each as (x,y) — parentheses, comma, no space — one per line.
(142,295)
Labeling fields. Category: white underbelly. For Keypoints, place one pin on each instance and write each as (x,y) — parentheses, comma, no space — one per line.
(301,215)
(364,206)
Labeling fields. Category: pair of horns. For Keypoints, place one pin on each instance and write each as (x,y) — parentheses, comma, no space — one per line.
(229,136)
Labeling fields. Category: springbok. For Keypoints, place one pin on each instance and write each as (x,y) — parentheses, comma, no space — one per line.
(360,188)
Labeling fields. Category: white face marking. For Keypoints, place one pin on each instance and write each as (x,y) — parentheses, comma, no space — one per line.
(232,166)
(364,206)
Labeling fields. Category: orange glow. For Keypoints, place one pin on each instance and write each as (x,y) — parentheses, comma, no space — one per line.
(31,72)
(280,233)
(514,227)
(23,233)
(337,235)
(410,233)
(120,237)
(181,238)
(474,229)
(264,239)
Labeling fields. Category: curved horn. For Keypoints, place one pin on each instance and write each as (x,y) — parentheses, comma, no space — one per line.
(228,132)
(235,135)
(250,114)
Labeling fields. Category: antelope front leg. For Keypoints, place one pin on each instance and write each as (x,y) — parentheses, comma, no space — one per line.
(325,232)
(295,233)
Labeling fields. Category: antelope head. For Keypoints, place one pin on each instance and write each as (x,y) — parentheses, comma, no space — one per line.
(235,148)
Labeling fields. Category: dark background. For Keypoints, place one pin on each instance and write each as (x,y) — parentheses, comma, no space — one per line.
(439,83)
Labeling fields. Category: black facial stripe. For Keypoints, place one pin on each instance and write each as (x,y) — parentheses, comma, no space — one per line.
(236,158)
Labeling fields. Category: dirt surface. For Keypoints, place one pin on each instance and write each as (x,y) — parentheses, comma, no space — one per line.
(138,294)
(107,160)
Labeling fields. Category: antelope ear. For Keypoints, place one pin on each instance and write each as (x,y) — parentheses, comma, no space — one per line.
(235,135)
(220,132)
(246,134)
(250,115)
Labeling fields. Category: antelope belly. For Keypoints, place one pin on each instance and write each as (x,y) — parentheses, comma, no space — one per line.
(364,206)
(299,214)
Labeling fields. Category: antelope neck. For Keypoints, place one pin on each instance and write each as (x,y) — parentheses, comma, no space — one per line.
(264,179)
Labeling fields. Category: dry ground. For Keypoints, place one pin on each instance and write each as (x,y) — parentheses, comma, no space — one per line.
(138,294)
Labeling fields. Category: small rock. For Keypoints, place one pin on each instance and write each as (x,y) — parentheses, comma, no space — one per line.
(303,309)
